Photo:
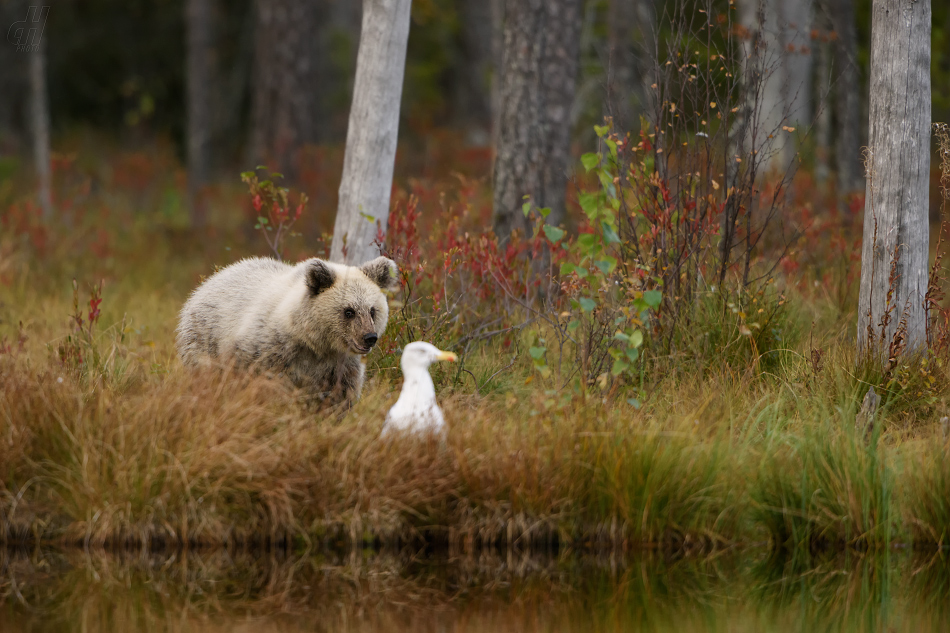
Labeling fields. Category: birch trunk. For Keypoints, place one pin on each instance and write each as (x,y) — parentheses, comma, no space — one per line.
(39,107)
(198,15)
(539,72)
(372,131)
(896,228)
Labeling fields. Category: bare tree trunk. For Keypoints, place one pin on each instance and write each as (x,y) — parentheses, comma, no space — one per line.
(40,111)
(896,229)
(474,94)
(286,106)
(847,99)
(823,104)
(541,48)
(497,56)
(14,85)
(631,39)
(198,17)
(372,131)
(784,29)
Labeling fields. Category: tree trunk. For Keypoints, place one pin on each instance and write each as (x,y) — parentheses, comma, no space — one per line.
(198,17)
(631,39)
(39,107)
(541,48)
(823,102)
(14,85)
(784,83)
(847,140)
(896,229)
(475,94)
(286,109)
(372,131)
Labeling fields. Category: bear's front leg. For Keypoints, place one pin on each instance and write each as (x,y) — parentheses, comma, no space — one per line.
(351,377)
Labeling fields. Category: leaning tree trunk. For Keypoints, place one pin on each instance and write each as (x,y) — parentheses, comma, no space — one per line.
(198,16)
(373,129)
(39,107)
(896,229)
(286,105)
(539,72)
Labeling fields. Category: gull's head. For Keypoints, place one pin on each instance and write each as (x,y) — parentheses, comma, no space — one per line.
(420,355)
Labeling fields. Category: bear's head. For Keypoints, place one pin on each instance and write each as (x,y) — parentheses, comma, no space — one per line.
(346,310)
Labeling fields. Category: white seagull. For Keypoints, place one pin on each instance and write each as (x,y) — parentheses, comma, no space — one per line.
(416,410)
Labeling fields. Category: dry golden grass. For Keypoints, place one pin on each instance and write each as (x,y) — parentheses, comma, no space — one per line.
(223,458)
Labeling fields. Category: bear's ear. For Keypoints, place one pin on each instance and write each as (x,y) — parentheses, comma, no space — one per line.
(382,271)
(319,277)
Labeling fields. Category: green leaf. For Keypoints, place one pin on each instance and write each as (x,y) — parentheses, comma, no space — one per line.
(590,160)
(567,268)
(601,129)
(587,304)
(636,339)
(573,325)
(544,211)
(619,367)
(606,265)
(553,233)
(587,240)
(537,352)
(368,217)
(622,336)
(526,208)
(633,354)
(653,298)
(589,202)
(610,235)
(581,272)
(261,220)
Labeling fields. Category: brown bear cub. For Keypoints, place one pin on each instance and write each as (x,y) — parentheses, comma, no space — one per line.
(310,322)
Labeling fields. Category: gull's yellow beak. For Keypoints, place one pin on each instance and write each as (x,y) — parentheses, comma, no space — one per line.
(449,356)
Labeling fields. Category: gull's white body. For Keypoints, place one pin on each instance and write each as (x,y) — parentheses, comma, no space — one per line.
(416,410)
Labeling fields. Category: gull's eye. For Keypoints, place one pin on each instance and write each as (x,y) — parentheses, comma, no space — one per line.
(349,313)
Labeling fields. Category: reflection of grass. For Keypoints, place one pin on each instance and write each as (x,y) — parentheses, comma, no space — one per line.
(488,591)
(842,592)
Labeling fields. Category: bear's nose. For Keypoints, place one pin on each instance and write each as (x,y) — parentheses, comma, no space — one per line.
(370,339)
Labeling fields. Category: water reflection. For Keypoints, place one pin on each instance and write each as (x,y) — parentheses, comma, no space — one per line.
(490,591)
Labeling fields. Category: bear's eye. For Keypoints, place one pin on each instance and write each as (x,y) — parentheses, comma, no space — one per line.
(372,313)
(349,313)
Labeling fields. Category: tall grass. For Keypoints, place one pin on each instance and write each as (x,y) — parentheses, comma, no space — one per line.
(226,459)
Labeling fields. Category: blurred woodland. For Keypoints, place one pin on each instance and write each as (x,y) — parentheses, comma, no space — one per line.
(280,75)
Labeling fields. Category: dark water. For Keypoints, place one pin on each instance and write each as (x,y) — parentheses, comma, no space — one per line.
(487,592)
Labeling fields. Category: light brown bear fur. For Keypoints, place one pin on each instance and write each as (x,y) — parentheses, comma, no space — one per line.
(310,322)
